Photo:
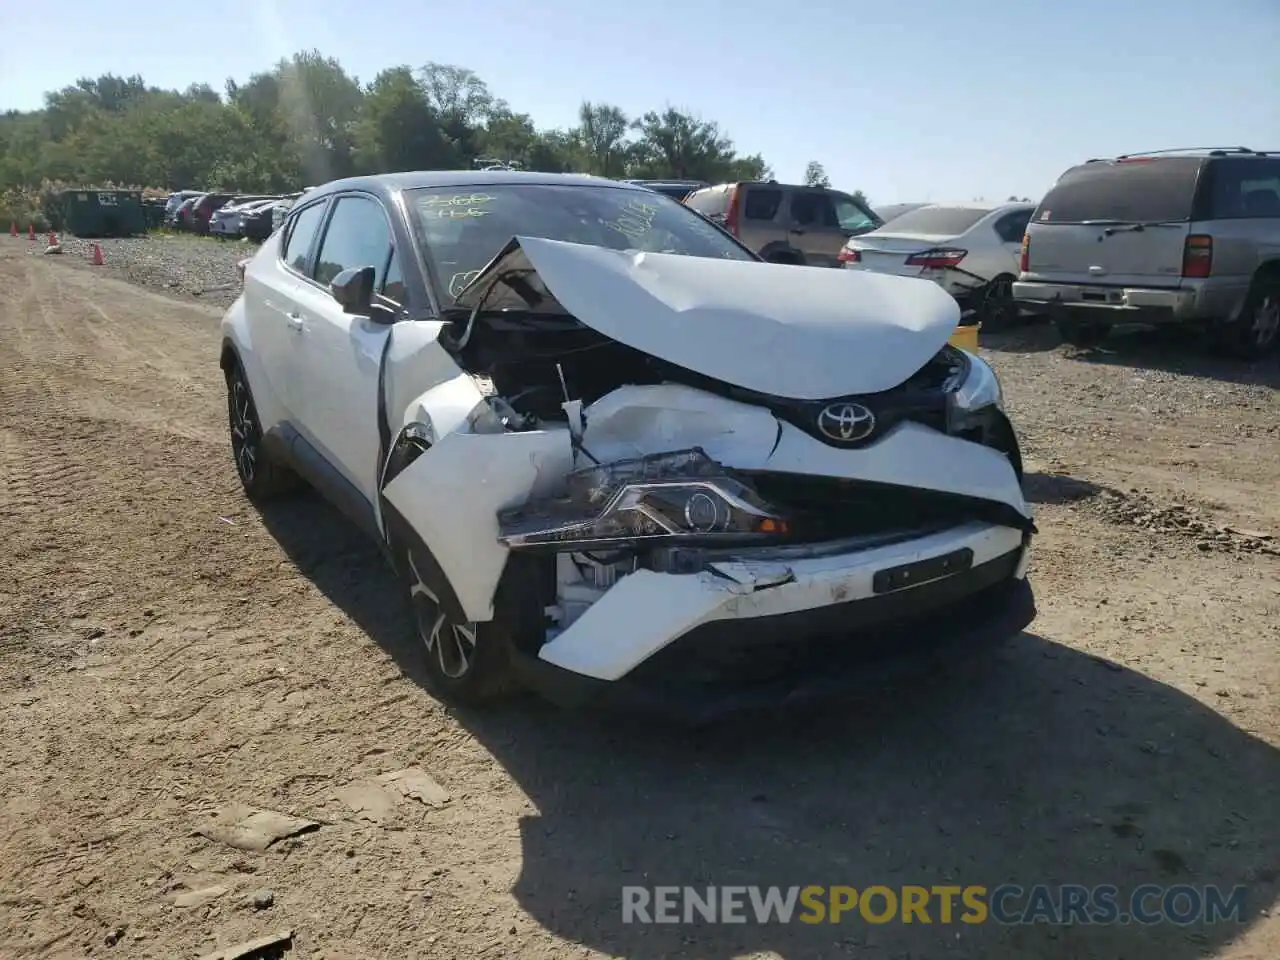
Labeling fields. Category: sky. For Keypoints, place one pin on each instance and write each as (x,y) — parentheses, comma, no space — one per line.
(924,100)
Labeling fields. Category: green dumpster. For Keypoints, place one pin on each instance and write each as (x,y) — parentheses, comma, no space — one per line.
(103,213)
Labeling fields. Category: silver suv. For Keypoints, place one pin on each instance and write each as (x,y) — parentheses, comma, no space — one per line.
(1179,236)
(786,223)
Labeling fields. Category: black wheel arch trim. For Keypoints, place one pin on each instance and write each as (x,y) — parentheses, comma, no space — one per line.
(229,356)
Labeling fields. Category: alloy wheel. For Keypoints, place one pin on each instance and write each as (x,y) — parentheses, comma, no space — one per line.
(452,645)
(244,431)
(998,308)
(1266,321)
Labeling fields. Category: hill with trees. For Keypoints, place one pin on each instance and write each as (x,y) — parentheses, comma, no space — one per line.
(307,120)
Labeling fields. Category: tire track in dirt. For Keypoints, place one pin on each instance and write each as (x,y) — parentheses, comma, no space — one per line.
(127,362)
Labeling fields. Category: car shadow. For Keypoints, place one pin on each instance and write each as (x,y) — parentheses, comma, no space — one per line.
(1168,349)
(1026,335)
(1043,766)
(1057,488)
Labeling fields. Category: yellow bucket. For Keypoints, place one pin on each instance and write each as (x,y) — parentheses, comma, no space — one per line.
(966,338)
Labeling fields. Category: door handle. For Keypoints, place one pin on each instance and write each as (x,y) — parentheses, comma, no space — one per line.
(294,320)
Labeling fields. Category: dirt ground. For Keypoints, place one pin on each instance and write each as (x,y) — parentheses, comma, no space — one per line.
(165,651)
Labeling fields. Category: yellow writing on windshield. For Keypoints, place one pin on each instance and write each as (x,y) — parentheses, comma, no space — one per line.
(455,213)
(635,219)
(458,200)
(459,281)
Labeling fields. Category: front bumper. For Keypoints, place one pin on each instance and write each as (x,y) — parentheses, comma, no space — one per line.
(761,635)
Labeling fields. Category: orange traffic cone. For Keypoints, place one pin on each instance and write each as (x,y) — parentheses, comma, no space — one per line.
(31,231)
(97,255)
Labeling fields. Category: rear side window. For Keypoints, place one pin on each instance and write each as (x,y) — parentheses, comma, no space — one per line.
(357,236)
(940,221)
(710,203)
(1124,191)
(297,244)
(1012,226)
(762,203)
(1244,189)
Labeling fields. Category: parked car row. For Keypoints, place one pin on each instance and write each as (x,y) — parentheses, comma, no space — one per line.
(227,215)
(1188,237)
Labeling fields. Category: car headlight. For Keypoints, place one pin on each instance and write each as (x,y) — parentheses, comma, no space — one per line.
(976,389)
(677,496)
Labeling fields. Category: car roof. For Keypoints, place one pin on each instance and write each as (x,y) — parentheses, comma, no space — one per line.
(413,180)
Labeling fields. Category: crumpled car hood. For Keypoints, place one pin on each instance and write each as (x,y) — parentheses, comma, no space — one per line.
(803,333)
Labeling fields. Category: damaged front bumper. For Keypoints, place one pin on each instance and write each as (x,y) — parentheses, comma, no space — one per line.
(767,629)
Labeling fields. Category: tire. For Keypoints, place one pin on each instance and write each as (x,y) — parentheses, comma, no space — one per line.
(1082,333)
(1256,332)
(466,664)
(996,308)
(788,258)
(262,478)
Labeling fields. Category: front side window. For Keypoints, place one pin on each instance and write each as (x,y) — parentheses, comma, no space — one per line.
(850,216)
(302,232)
(463,228)
(358,236)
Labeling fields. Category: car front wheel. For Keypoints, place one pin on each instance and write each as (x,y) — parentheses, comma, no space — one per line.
(466,663)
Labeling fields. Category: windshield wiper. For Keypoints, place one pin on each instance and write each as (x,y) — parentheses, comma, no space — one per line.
(1119,226)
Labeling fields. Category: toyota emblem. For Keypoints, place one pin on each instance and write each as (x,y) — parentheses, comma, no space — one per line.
(846,422)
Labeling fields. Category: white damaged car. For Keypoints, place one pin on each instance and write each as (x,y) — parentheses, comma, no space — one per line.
(614,456)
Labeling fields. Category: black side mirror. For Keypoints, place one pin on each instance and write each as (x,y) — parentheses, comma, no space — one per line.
(353,288)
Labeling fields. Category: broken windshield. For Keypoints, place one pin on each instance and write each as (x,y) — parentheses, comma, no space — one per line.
(465,227)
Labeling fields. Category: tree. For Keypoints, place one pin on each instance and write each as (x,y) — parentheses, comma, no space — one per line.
(815,175)
(1016,199)
(601,136)
(305,120)
(321,104)
(398,127)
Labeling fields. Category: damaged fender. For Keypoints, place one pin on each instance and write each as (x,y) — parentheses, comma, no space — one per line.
(452,492)
(463,468)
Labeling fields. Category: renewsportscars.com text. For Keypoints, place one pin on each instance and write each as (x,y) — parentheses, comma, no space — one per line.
(1182,904)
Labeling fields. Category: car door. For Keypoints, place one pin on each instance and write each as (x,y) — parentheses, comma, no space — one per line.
(340,354)
(271,307)
(814,229)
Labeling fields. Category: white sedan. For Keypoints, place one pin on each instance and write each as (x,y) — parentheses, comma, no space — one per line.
(970,250)
(614,456)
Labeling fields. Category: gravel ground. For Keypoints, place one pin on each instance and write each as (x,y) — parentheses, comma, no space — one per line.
(176,264)
(167,651)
